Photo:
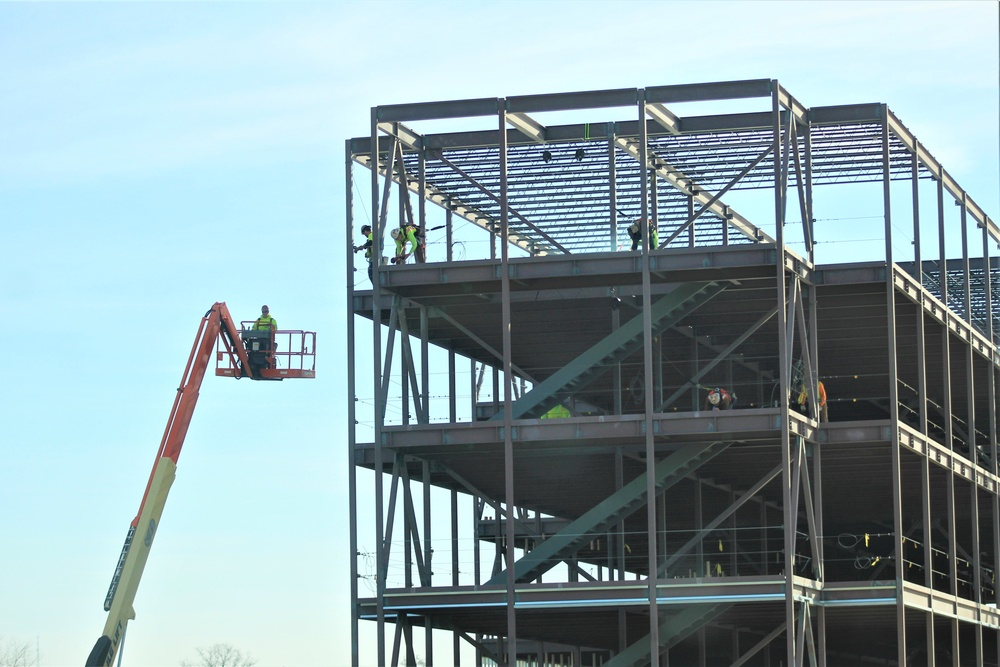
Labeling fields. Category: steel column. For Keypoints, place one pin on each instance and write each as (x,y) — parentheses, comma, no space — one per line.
(352,393)
(647,357)
(508,381)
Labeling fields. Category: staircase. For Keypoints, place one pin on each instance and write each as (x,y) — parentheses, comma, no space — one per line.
(613,349)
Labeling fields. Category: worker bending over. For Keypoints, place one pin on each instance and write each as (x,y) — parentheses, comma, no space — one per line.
(635,233)
(408,235)
(719,399)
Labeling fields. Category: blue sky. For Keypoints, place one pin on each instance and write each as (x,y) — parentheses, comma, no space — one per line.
(156,158)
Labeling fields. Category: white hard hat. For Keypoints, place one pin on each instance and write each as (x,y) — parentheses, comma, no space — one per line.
(394,233)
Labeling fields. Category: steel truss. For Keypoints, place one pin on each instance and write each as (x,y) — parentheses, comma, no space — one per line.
(616,519)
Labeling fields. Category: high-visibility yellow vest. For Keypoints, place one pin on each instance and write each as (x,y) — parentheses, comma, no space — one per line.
(265,323)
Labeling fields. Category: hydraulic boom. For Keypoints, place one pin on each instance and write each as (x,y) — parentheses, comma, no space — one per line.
(240,353)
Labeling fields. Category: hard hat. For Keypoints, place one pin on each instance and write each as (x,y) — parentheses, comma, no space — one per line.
(394,233)
(365,229)
(634,227)
(714,397)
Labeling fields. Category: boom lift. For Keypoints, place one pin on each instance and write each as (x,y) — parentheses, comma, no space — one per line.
(239,353)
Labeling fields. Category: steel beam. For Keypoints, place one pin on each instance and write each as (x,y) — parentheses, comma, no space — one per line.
(528,126)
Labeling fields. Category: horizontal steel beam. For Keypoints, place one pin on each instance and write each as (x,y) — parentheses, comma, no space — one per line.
(669,592)
(704,92)
(594,99)
(485,106)
(671,429)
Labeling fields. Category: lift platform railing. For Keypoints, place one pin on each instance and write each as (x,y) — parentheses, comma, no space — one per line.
(275,355)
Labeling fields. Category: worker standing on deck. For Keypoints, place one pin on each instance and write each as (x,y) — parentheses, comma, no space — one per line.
(408,235)
(635,233)
(366,231)
(803,401)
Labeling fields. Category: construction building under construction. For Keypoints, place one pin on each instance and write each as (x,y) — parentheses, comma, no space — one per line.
(537,477)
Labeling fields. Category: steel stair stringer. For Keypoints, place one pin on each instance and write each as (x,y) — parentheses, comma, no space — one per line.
(612,349)
(675,629)
(616,507)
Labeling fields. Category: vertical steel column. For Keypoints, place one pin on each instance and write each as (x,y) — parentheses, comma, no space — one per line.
(928,551)
(377,374)
(425,574)
(408,520)
(690,216)
(971,417)
(654,201)
(422,205)
(658,367)
(817,451)
(477,578)
(620,531)
(453,418)
(695,365)
(699,522)
(647,351)
(813,337)
(455,635)
(925,463)
(992,402)
(918,261)
(425,379)
(948,432)
(508,444)
(613,187)
(890,314)
(811,221)
(788,512)
(352,392)
(406,361)
(617,370)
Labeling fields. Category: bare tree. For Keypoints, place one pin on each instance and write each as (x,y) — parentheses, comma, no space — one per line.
(220,655)
(14,653)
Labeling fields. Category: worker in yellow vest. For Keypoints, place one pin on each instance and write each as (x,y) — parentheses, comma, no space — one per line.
(265,322)
(408,235)
(558,411)
(635,233)
(803,401)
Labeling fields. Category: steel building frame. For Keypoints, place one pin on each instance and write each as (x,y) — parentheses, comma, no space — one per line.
(644,528)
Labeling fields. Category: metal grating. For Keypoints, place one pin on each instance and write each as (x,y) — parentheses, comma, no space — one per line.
(564,189)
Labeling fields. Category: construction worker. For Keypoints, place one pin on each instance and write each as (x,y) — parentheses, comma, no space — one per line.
(366,231)
(408,234)
(719,399)
(635,233)
(803,401)
(259,346)
(265,322)
(558,411)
